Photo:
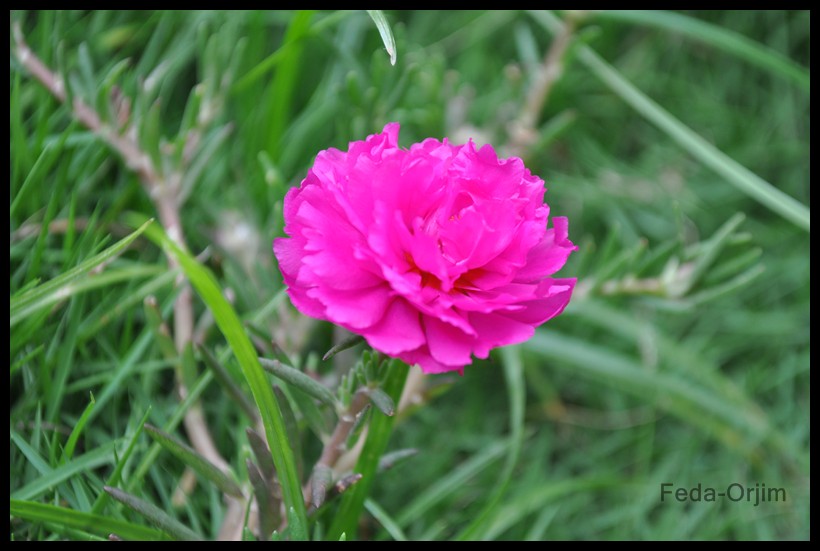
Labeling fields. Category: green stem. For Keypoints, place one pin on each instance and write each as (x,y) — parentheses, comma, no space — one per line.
(381,426)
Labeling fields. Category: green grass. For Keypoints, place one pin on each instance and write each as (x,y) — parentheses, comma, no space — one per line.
(677,143)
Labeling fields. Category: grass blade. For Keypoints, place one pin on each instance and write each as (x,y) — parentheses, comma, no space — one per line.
(222,375)
(384,31)
(717,37)
(736,174)
(385,520)
(285,80)
(231,326)
(738,427)
(71,443)
(96,524)
(56,288)
(514,376)
(30,453)
(537,498)
(85,462)
(156,515)
(194,393)
(455,479)
(35,175)
(195,461)
(115,476)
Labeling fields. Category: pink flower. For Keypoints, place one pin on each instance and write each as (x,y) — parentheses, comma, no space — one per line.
(432,254)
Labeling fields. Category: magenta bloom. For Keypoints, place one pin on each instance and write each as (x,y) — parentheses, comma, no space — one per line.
(432,254)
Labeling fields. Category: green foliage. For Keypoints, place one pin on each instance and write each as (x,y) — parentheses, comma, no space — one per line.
(195,461)
(677,144)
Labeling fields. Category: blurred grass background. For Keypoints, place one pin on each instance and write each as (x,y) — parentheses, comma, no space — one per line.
(683,358)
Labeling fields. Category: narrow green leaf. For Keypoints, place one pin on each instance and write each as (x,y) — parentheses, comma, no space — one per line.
(291,427)
(358,425)
(187,365)
(25,359)
(382,401)
(737,425)
(733,266)
(390,460)
(349,342)
(194,393)
(554,128)
(205,155)
(728,287)
(104,279)
(384,31)
(161,332)
(85,462)
(713,248)
(29,452)
(298,379)
(87,73)
(56,289)
(717,37)
(261,452)
(385,520)
(121,461)
(229,323)
(96,524)
(125,368)
(537,498)
(222,375)
(35,176)
(675,353)
(296,529)
(347,517)
(272,60)
(264,499)
(160,518)
(71,443)
(440,489)
(514,376)
(736,174)
(191,458)
(284,86)
(90,327)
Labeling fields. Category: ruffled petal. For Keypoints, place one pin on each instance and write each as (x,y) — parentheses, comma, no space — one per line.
(399,330)
(434,254)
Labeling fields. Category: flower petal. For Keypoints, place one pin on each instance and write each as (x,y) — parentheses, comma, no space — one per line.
(399,329)
(434,253)
(448,345)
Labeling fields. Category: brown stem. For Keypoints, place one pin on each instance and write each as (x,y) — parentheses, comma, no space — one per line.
(163,193)
(335,446)
(134,157)
(523,131)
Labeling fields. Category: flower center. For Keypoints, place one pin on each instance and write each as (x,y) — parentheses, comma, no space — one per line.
(428,280)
